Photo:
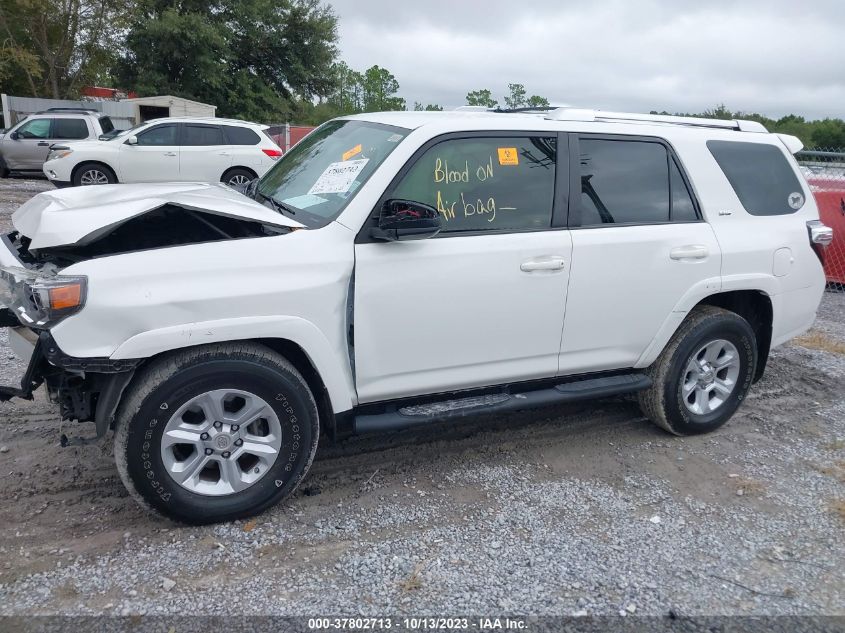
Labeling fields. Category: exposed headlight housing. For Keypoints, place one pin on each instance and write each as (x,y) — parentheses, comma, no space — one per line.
(38,299)
(59,152)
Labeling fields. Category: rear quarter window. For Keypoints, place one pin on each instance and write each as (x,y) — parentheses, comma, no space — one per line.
(240,135)
(760,175)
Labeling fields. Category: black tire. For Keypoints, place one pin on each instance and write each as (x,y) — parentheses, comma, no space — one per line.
(170,382)
(237,177)
(93,170)
(663,403)
(4,169)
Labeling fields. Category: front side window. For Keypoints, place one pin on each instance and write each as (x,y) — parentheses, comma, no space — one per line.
(159,135)
(318,177)
(760,175)
(631,182)
(35,128)
(486,184)
(196,134)
(70,129)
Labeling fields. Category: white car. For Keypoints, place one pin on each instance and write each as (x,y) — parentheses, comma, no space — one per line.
(167,150)
(404,268)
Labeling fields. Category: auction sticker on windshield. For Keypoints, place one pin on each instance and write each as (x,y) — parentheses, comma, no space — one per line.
(338,177)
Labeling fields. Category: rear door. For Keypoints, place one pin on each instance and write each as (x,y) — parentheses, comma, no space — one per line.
(155,158)
(481,303)
(29,150)
(639,244)
(205,153)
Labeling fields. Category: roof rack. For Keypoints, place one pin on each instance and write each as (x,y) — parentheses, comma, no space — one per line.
(579,114)
(74,110)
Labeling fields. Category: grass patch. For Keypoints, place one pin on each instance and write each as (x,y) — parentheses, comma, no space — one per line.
(818,340)
(749,487)
(838,508)
(835,470)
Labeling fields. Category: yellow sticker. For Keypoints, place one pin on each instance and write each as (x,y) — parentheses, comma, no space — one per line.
(352,152)
(508,156)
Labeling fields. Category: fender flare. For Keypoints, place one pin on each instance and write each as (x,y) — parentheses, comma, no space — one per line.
(336,375)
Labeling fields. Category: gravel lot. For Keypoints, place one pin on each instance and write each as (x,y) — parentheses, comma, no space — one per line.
(577,509)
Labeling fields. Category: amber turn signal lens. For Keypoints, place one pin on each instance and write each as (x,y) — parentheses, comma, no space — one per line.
(65,296)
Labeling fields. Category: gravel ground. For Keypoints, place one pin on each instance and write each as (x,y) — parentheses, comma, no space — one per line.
(577,509)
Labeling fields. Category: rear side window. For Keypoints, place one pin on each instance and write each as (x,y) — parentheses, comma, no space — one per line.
(631,182)
(240,135)
(760,175)
(486,184)
(195,134)
(70,129)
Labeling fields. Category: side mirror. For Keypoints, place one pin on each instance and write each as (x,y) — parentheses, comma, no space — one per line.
(14,136)
(132,140)
(402,220)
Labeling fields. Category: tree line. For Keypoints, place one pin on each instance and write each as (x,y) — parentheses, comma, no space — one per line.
(260,60)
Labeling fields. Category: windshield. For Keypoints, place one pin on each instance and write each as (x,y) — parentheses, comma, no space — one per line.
(318,177)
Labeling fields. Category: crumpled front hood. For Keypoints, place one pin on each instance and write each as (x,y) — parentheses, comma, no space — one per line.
(80,215)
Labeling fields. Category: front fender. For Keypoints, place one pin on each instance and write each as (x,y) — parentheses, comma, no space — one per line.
(332,364)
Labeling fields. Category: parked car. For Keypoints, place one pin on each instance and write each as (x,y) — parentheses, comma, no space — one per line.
(828,187)
(168,150)
(396,269)
(25,146)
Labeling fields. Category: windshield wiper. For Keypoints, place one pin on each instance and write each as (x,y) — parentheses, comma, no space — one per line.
(281,207)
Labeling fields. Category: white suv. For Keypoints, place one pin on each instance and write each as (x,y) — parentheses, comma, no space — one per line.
(167,150)
(404,268)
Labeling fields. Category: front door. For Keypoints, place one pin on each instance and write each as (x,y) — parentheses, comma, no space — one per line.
(639,245)
(29,150)
(154,158)
(483,302)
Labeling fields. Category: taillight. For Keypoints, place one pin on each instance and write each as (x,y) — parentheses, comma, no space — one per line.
(820,236)
(275,154)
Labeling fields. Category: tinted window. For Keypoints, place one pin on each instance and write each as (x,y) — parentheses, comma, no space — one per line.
(683,209)
(194,134)
(106,124)
(760,175)
(631,182)
(240,135)
(70,128)
(35,128)
(159,135)
(486,183)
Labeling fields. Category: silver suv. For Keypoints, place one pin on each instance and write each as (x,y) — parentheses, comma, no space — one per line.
(24,147)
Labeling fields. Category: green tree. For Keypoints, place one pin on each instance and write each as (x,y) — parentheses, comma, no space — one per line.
(430,107)
(254,59)
(537,102)
(481,98)
(828,134)
(516,98)
(51,48)
(380,88)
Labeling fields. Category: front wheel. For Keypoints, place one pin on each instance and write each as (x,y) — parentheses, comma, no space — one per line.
(703,374)
(93,174)
(216,433)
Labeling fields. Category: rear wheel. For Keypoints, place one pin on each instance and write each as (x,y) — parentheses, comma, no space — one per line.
(93,174)
(238,177)
(4,169)
(703,374)
(216,433)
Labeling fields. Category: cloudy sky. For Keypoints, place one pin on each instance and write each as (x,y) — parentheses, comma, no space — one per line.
(768,56)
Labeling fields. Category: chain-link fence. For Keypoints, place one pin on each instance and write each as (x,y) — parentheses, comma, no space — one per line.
(825,171)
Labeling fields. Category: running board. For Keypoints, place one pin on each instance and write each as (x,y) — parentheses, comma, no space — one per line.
(399,417)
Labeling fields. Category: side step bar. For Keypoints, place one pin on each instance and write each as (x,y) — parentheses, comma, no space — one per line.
(399,417)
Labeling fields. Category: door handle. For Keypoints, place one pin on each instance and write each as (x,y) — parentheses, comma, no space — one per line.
(170,153)
(543,263)
(691,251)
(224,154)
(43,144)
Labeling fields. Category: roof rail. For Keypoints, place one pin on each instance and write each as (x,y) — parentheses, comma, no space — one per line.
(60,110)
(578,114)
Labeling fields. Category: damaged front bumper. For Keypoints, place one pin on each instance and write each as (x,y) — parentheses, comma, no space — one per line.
(86,389)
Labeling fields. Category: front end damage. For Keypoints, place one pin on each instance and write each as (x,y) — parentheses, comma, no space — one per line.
(57,230)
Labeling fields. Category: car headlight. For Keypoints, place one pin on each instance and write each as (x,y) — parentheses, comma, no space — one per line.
(38,299)
(59,152)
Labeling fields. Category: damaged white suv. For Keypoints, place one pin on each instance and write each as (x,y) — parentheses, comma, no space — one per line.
(405,268)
